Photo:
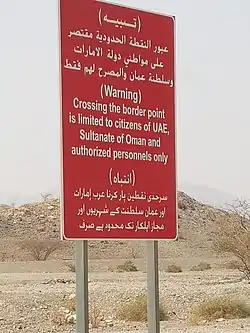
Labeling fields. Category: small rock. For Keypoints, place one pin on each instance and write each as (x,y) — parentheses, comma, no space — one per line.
(220,320)
(72,296)
(71,319)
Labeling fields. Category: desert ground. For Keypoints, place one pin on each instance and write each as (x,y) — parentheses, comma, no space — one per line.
(39,296)
(33,295)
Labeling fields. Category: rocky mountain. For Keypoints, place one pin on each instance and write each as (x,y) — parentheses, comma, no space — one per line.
(42,221)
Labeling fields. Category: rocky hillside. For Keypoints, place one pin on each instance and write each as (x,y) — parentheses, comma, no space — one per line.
(42,221)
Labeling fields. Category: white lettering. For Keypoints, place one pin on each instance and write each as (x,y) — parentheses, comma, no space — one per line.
(110,91)
(162,158)
(160,128)
(91,106)
(124,124)
(133,111)
(95,136)
(131,155)
(160,114)
(130,140)
(91,152)
(89,120)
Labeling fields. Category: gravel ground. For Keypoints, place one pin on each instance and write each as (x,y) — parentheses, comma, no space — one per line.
(32,302)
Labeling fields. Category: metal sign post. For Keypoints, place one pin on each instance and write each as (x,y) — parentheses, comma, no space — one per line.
(153,287)
(82,299)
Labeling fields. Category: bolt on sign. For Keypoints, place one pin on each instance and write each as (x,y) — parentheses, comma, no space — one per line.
(118,122)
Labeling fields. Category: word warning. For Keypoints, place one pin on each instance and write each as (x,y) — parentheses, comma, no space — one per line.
(118,122)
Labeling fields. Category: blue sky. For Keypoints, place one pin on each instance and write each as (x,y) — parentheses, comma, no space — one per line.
(213,71)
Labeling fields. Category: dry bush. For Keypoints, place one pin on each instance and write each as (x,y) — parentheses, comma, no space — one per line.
(135,253)
(111,269)
(174,269)
(233,264)
(127,266)
(46,196)
(136,310)
(202,266)
(71,266)
(221,307)
(232,235)
(95,316)
(40,250)
(95,313)
(3,256)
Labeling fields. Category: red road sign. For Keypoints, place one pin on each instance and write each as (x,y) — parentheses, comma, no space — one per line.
(118,122)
